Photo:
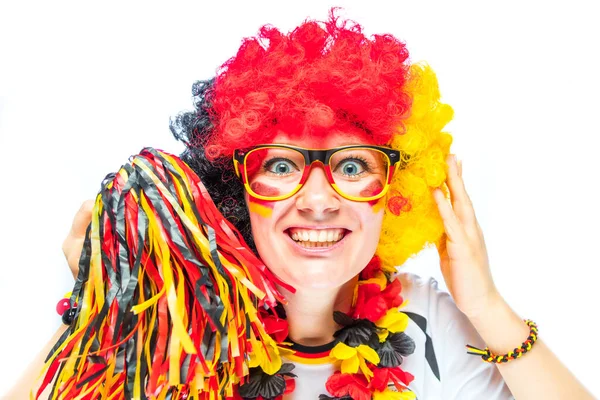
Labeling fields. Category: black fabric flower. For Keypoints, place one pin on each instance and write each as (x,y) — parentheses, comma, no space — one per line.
(355,331)
(325,397)
(264,385)
(396,346)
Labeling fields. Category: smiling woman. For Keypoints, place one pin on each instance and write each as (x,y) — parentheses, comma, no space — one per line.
(315,212)
(325,149)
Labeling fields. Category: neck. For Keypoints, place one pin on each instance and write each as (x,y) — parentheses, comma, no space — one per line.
(310,312)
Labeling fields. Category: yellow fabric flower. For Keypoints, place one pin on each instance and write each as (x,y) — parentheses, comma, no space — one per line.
(354,358)
(394,321)
(392,395)
(266,356)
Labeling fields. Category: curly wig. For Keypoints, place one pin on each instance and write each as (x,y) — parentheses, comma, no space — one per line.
(320,77)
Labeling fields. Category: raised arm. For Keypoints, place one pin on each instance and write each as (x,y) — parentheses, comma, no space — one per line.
(464,263)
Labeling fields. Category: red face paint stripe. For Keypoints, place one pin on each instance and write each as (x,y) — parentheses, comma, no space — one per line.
(373,189)
(265,190)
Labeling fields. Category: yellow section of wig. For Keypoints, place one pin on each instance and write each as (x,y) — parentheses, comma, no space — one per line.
(427,147)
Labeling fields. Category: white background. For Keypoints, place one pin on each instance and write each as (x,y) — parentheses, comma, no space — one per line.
(82,87)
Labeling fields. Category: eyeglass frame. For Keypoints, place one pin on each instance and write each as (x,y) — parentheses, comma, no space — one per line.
(313,155)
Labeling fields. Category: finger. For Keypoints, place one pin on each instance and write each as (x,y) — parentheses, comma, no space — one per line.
(452,225)
(461,203)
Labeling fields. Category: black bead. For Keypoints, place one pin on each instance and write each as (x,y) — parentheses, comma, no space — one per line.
(69,315)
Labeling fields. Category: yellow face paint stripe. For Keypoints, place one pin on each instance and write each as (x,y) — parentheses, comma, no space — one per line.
(378,206)
(259,209)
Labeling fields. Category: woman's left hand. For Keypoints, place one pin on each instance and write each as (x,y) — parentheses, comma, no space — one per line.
(463,255)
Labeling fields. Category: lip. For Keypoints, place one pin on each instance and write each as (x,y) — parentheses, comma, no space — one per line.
(316,250)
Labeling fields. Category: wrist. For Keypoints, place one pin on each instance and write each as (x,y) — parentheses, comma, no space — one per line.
(500,327)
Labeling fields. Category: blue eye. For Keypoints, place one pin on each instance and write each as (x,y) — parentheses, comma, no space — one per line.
(351,167)
(280,166)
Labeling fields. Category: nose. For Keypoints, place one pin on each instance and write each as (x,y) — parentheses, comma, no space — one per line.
(316,196)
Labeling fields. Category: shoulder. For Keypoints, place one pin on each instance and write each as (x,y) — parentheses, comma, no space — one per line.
(424,297)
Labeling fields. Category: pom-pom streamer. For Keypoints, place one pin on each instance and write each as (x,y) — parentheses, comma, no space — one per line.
(168,293)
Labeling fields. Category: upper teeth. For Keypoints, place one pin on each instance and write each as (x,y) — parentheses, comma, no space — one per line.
(316,235)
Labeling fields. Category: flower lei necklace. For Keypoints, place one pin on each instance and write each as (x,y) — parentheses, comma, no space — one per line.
(369,349)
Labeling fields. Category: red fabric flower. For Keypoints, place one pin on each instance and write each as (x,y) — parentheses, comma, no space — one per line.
(391,294)
(353,385)
(290,385)
(381,377)
(372,268)
(370,303)
(276,327)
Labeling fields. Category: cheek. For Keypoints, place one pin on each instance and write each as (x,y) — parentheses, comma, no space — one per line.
(371,220)
(367,239)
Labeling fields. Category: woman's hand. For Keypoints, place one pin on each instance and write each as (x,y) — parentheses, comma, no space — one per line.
(73,243)
(463,255)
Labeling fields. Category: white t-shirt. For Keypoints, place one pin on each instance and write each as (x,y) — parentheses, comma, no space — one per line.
(440,352)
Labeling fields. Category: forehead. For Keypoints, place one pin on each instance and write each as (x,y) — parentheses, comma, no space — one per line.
(329,139)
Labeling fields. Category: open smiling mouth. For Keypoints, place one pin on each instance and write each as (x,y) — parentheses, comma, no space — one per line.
(317,238)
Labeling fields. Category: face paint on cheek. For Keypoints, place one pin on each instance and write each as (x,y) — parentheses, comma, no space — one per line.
(263,208)
(373,189)
(264,190)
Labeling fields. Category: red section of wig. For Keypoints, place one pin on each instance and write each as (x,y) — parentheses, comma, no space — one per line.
(320,77)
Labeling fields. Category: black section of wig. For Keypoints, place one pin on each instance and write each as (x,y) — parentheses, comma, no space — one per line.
(194,128)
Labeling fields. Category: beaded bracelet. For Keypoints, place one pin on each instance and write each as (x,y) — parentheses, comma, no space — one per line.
(490,357)
(64,309)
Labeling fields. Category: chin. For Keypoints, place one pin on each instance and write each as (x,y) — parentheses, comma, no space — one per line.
(314,276)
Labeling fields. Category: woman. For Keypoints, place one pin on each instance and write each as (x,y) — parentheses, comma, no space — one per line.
(373,200)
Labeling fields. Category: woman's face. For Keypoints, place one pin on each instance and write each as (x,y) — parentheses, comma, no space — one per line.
(319,213)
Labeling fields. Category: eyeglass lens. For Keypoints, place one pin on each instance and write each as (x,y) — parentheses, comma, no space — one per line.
(357,172)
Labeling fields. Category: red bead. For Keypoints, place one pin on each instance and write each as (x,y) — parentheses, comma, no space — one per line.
(62,306)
